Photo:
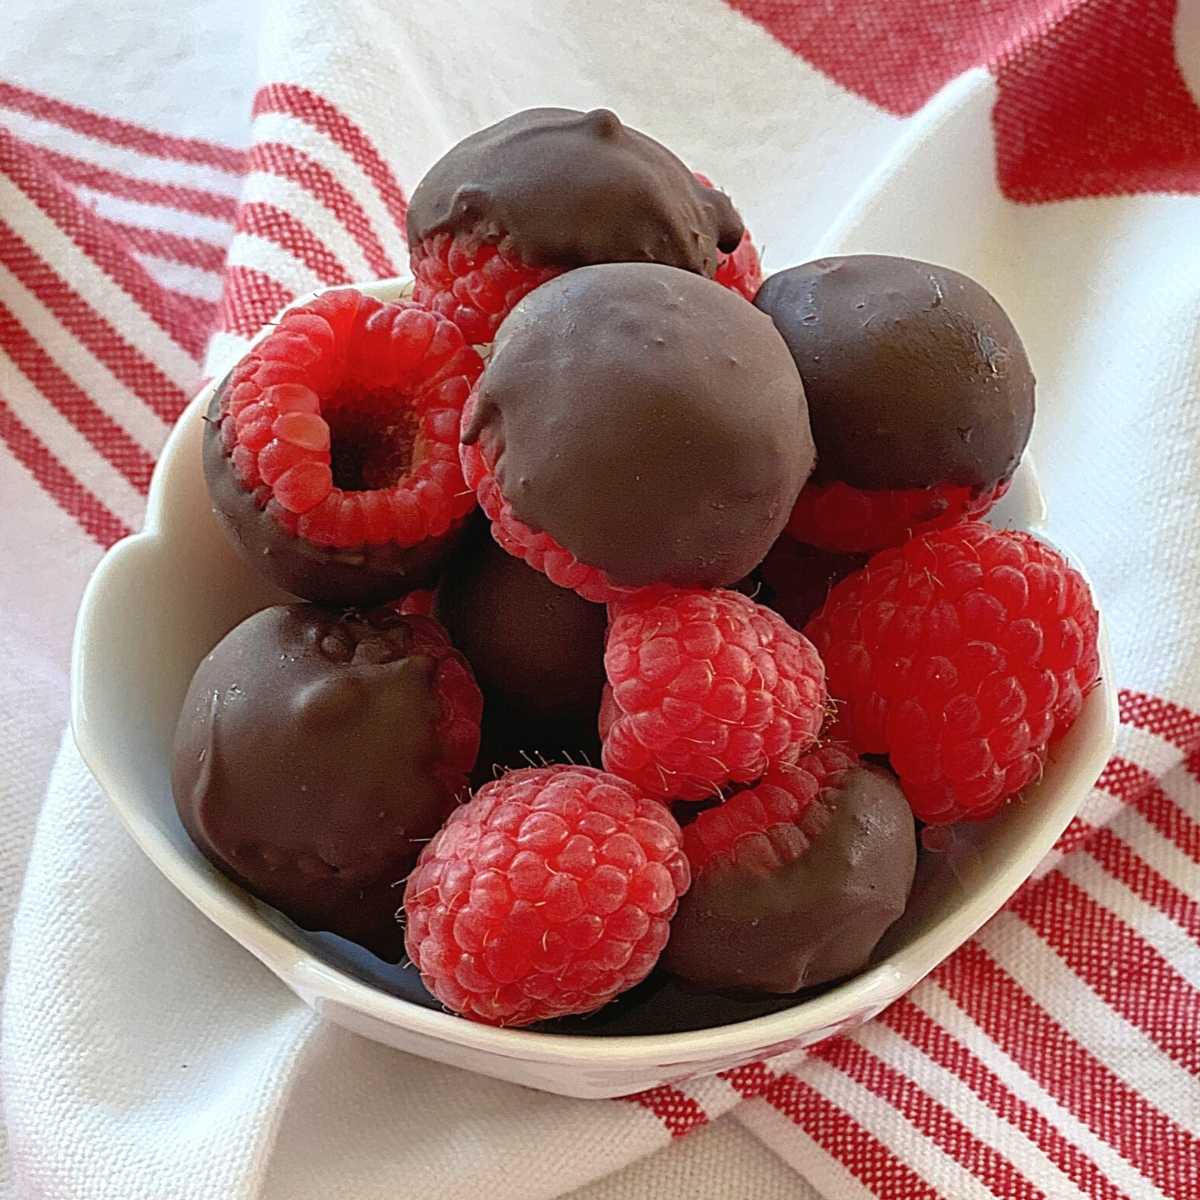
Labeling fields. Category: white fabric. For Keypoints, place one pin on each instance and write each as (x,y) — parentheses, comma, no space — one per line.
(146,1057)
(191,74)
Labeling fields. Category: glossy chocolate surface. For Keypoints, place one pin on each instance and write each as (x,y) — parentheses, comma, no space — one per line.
(304,765)
(567,189)
(651,421)
(537,651)
(914,373)
(817,918)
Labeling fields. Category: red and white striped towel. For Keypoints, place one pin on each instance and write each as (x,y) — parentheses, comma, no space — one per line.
(1050,148)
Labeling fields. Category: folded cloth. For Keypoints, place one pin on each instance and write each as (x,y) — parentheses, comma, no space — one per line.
(1051,149)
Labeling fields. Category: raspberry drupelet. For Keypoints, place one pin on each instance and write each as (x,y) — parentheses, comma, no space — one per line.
(961,655)
(839,518)
(549,893)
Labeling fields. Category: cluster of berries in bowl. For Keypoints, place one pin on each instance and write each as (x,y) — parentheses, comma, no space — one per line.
(645,609)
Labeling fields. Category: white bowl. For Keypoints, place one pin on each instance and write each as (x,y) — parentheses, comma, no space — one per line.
(161,599)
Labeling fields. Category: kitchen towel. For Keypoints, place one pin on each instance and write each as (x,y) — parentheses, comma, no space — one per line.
(168,182)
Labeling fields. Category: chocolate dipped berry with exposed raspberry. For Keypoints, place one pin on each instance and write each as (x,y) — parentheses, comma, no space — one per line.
(740,269)
(794,879)
(920,395)
(637,425)
(550,189)
(331,450)
(315,754)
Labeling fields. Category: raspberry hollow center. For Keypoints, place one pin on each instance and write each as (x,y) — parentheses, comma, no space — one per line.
(344,421)
(370,448)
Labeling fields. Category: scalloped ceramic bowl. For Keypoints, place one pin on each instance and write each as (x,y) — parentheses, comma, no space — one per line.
(161,599)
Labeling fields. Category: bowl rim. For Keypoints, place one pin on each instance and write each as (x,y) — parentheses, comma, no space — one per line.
(232,910)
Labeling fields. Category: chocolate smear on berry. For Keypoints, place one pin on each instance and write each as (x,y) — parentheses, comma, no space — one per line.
(648,420)
(316,753)
(914,374)
(565,188)
(792,904)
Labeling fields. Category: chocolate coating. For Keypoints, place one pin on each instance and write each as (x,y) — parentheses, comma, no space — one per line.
(304,765)
(537,650)
(914,373)
(650,420)
(568,188)
(797,579)
(818,918)
(361,577)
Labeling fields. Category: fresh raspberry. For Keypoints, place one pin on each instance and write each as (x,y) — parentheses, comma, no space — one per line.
(476,287)
(846,519)
(740,271)
(540,550)
(796,579)
(343,422)
(961,654)
(705,688)
(548,893)
(769,823)
(795,879)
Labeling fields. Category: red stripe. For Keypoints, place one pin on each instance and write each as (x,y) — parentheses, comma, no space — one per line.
(835,1130)
(286,162)
(200,313)
(81,173)
(1165,718)
(1121,861)
(184,323)
(109,438)
(133,369)
(1129,974)
(1168,720)
(1138,788)
(251,299)
(57,482)
(121,133)
(1115,1112)
(174,247)
(949,1053)
(677,1110)
(932,1119)
(279,226)
(316,111)
(1074,837)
